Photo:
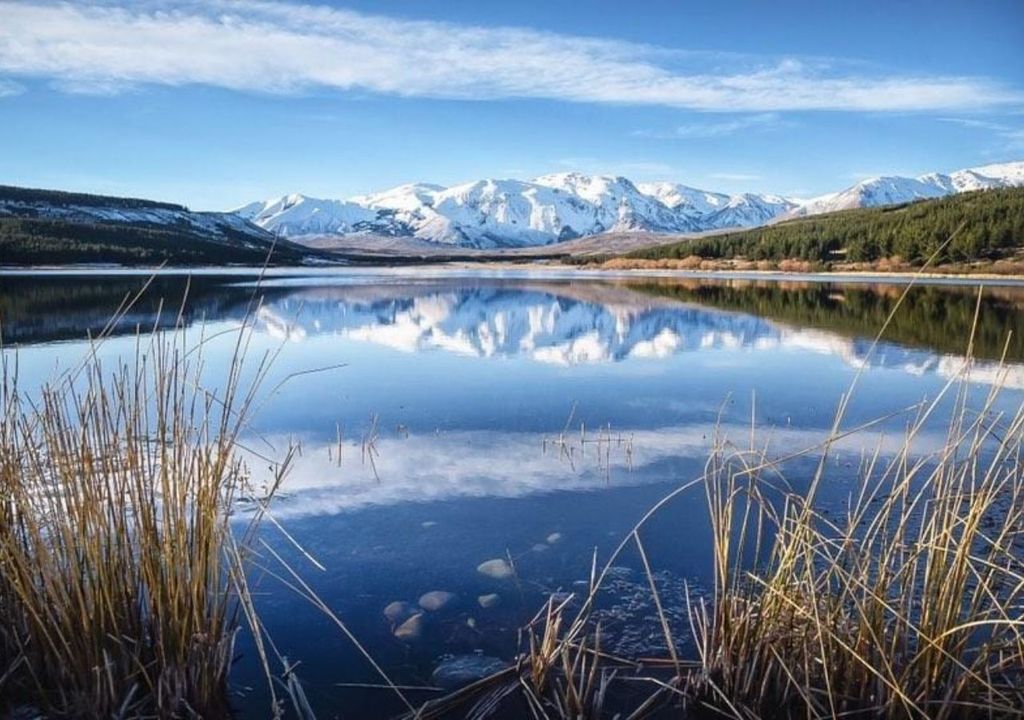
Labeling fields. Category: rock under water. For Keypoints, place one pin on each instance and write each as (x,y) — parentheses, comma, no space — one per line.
(411,629)
(498,568)
(489,600)
(459,670)
(399,611)
(436,600)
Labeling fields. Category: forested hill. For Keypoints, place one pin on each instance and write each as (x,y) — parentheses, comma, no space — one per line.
(48,227)
(992,228)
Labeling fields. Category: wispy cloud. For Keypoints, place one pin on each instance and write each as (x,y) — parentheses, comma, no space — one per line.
(256,45)
(1011,135)
(713,128)
(735,177)
(8,88)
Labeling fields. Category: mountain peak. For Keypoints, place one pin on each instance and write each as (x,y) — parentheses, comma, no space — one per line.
(491,212)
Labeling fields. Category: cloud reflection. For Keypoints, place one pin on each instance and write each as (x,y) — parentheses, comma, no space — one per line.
(486,463)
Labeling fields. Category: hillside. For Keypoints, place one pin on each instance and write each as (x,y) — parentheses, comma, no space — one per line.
(47,227)
(990,222)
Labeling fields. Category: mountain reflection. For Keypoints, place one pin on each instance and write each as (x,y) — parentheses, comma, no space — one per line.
(489,322)
(579,324)
(548,320)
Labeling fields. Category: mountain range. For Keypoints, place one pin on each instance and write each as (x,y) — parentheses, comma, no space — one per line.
(552,208)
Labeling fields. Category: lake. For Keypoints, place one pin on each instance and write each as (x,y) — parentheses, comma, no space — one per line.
(445,418)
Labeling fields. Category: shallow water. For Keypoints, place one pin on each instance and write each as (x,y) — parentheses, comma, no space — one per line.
(450,418)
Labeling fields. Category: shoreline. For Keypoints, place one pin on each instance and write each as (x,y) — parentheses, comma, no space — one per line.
(900,277)
(896,277)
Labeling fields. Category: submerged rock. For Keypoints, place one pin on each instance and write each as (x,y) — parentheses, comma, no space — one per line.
(554,537)
(498,568)
(411,629)
(399,611)
(436,600)
(541,547)
(489,600)
(460,670)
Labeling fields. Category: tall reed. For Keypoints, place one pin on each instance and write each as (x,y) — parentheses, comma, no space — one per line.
(121,575)
(907,602)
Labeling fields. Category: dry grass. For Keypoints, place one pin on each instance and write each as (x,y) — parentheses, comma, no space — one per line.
(908,603)
(911,605)
(123,578)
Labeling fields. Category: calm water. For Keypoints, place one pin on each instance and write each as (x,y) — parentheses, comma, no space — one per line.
(448,394)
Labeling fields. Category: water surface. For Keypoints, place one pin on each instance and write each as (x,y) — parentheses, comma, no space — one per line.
(450,418)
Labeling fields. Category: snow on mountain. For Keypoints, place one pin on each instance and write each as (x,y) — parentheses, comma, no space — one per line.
(872,193)
(300,215)
(891,190)
(516,213)
(404,198)
(749,210)
(495,213)
(712,210)
(617,203)
(510,213)
(482,214)
(685,199)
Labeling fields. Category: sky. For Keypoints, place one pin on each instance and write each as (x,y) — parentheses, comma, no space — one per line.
(216,103)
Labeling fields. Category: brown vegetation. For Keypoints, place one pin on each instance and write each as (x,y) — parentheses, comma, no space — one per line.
(123,580)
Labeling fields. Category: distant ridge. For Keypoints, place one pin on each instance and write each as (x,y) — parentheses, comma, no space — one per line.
(551,208)
(891,190)
(54,227)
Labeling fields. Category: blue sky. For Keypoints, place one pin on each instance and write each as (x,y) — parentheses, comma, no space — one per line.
(217,103)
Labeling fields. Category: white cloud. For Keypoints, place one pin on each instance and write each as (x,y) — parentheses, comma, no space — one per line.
(718,128)
(1011,135)
(252,45)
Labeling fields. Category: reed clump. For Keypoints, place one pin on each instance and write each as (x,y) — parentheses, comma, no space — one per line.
(908,604)
(122,579)
(907,601)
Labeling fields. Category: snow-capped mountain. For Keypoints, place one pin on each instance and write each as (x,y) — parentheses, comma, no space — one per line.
(517,213)
(496,213)
(890,190)
(510,213)
(749,210)
(685,199)
(300,215)
(713,210)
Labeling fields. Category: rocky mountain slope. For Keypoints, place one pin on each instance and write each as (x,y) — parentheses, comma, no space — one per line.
(564,206)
